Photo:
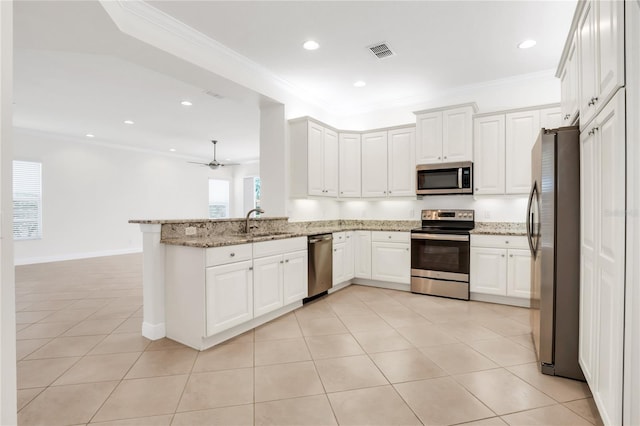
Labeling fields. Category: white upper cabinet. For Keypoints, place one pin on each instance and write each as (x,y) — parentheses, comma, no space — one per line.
(388,165)
(601,52)
(401,162)
(489,154)
(429,138)
(314,159)
(444,135)
(551,118)
(374,164)
(502,148)
(457,134)
(569,85)
(522,129)
(349,172)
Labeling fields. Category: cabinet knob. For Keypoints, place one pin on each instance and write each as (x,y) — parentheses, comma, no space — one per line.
(389,192)
(506,242)
(445,157)
(593,101)
(231,254)
(510,255)
(476,189)
(251,268)
(286,261)
(335,249)
(389,236)
(502,255)
(282,261)
(438,158)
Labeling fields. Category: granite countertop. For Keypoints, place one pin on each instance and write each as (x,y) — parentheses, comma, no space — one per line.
(500,228)
(292,230)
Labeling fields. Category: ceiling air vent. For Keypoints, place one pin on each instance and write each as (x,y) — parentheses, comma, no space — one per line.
(381,50)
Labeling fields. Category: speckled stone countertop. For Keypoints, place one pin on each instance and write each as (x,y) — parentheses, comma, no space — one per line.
(226,232)
(499,228)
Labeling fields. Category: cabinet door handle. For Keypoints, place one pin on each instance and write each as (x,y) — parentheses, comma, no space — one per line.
(593,101)
(251,268)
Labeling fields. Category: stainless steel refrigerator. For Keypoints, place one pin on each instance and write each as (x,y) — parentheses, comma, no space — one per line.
(553,230)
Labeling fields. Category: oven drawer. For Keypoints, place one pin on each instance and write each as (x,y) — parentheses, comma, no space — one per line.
(499,241)
(390,236)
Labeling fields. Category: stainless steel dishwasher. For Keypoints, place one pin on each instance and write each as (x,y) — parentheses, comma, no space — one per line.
(320,264)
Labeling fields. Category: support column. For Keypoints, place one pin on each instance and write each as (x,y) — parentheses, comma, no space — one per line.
(153,322)
(8,405)
(273,160)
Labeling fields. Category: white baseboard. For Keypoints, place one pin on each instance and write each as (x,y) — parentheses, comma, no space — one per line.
(153,331)
(503,300)
(74,256)
(382,284)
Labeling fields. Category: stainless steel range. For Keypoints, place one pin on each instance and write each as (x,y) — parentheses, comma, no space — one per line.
(440,253)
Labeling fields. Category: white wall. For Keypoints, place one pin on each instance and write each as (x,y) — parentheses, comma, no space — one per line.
(91,191)
(499,209)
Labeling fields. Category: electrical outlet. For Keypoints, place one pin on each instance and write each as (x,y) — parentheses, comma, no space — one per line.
(190,230)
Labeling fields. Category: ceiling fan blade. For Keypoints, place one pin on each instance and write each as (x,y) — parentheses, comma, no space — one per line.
(230,164)
(194,162)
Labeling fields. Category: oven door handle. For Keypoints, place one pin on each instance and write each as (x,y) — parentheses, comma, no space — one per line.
(440,237)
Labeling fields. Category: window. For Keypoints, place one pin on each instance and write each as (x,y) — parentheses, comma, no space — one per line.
(27,200)
(218,198)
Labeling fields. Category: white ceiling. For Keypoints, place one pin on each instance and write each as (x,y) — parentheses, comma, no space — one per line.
(76,73)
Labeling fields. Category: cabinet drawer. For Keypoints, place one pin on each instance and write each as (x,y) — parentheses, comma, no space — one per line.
(228,254)
(273,247)
(388,236)
(339,237)
(500,241)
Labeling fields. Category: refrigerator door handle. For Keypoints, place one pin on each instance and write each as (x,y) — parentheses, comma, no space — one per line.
(530,220)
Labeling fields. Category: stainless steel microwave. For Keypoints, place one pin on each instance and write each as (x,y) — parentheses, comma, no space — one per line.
(445,178)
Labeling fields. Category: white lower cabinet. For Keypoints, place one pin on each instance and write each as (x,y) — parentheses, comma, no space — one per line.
(362,254)
(268,284)
(280,274)
(500,266)
(229,296)
(342,257)
(391,256)
(295,276)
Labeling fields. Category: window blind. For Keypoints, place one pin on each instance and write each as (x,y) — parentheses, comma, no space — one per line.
(27,200)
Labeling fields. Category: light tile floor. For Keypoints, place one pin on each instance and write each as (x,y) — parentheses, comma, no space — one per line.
(360,356)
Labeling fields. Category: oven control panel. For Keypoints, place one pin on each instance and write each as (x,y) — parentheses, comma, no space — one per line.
(464,215)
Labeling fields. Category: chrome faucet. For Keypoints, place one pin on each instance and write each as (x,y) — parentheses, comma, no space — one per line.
(246,223)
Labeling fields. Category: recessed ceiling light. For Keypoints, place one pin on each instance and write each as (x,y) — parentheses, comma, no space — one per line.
(89,135)
(527,44)
(128,122)
(310,45)
(172,149)
(186,103)
(359,83)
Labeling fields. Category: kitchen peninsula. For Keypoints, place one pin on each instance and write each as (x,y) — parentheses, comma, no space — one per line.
(199,286)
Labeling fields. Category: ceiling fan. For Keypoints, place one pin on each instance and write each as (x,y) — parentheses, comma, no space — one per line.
(214,164)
